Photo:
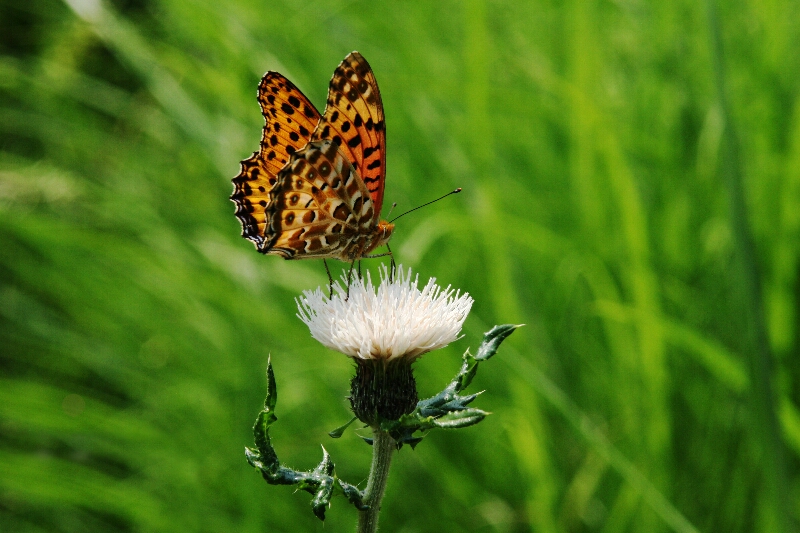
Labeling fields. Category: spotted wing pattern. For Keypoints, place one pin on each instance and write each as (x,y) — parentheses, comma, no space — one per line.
(354,119)
(319,206)
(290,120)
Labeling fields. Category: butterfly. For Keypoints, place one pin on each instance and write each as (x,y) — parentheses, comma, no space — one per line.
(315,188)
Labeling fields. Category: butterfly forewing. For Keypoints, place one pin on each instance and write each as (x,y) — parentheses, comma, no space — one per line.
(318,206)
(290,119)
(354,119)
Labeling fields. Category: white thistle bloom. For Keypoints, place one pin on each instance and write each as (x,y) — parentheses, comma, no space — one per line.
(396,320)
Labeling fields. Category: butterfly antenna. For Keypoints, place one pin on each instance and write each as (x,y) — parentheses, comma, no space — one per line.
(391,209)
(428,203)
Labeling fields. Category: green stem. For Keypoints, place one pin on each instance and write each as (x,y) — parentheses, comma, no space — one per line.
(383,446)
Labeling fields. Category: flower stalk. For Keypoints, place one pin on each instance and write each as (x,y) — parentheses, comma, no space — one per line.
(383,448)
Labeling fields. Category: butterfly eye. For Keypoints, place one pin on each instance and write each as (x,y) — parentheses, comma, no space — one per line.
(294,199)
(311,175)
(362,86)
(324,169)
(299,184)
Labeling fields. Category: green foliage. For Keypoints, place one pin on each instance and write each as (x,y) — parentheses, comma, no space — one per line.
(645,228)
(321,482)
(447,409)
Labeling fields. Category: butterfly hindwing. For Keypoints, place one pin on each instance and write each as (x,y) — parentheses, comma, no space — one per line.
(290,119)
(354,119)
(318,205)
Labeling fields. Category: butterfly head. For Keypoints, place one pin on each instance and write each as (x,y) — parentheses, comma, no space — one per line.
(383,232)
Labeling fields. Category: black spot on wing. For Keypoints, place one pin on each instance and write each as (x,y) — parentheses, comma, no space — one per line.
(341,212)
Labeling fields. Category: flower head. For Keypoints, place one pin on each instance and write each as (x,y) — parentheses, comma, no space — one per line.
(393,321)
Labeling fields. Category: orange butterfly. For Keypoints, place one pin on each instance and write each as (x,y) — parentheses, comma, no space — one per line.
(315,189)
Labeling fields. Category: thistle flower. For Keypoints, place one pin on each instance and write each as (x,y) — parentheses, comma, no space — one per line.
(395,321)
(385,329)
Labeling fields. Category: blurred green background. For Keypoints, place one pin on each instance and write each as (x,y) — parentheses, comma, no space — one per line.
(631,175)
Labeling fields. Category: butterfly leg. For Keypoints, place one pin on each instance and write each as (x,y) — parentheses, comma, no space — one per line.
(359,269)
(330,279)
(392,264)
(349,277)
